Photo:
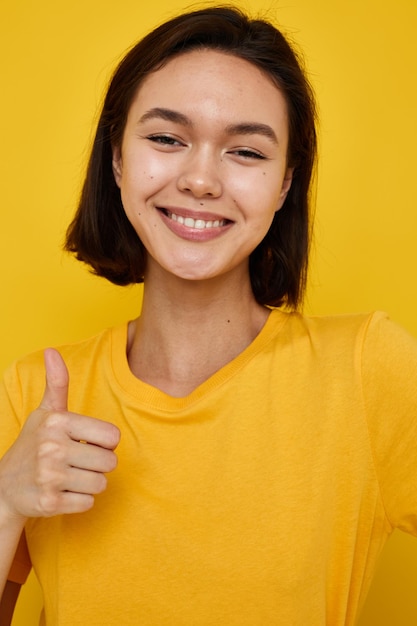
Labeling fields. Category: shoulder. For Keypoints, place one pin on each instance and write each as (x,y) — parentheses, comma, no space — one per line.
(334,329)
(375,324)
(71,351)
(363,338)
(25,377)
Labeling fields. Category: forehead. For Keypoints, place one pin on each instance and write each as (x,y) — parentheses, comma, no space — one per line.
(214,83)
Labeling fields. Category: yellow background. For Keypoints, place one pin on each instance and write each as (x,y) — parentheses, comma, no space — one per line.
(56,56)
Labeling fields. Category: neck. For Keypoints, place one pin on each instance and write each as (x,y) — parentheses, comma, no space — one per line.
(188,330)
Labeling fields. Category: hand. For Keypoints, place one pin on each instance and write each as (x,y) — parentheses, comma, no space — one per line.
(59,461)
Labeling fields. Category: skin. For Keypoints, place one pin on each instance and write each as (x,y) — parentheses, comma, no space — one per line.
(206,139)
(206,162)
(8,602)
(50,470)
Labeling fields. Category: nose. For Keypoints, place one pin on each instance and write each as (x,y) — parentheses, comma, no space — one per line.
(200,175)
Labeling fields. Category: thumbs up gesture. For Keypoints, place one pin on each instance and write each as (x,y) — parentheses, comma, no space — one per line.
(59,461)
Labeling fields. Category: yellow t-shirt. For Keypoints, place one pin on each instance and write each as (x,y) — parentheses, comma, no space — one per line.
(262,498)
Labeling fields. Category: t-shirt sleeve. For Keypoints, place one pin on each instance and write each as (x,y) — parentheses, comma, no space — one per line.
(10,425)
(389,375)
(10,408)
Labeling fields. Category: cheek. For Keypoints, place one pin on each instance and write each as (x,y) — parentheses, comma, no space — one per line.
(270,191)
(260,202)
(144,171)
(258,188)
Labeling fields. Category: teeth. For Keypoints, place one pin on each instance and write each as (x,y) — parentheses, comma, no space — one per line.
(198,224)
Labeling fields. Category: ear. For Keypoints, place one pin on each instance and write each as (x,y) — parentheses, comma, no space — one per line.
(117,165)
(286,184)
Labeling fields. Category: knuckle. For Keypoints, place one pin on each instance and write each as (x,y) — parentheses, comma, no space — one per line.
(48,504)
(55,421)
(49,449)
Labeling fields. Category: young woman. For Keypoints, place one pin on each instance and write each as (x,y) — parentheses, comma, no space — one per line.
(263,457)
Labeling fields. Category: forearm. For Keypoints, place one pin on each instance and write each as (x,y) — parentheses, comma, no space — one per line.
(11,529)
(8,602)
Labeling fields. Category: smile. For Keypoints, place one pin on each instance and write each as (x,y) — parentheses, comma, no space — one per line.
(199,224)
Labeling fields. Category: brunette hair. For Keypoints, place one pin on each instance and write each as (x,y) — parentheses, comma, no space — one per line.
(100,233)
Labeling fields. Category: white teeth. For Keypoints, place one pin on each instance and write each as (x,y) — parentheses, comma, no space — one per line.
(198,224)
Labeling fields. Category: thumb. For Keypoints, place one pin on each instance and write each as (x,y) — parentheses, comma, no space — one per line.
(57,381)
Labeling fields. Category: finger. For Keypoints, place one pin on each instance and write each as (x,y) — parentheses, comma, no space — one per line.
(91,457)
(77,502)
(93,431)
(57,380)
(85,482)
(65,502)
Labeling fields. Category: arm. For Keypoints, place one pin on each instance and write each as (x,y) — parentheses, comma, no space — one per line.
(389,374)
(10,532)
(11,529)
(8,602)
(55,466)
(16,577)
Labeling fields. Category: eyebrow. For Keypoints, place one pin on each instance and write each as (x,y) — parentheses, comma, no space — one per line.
(252,128)
(242,128)
(165,114)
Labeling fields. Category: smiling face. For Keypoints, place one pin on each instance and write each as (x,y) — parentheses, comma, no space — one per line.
(202,167)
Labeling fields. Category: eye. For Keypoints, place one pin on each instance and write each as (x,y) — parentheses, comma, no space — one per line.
(164,140)
(246,153)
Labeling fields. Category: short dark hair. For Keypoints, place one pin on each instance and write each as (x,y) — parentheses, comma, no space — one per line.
(100,233)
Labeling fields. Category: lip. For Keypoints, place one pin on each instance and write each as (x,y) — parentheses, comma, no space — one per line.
(194,234)
(207,216)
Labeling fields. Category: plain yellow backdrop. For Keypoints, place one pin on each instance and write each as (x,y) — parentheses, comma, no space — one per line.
(56,56)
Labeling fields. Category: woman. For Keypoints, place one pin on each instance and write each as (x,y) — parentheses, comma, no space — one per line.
(263,457)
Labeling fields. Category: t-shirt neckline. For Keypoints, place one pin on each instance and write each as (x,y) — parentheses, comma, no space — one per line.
(144,393)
